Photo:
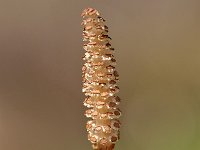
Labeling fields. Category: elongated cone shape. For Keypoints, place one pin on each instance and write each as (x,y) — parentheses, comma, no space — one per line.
(100,83)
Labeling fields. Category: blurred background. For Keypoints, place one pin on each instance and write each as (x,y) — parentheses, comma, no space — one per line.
(158,52)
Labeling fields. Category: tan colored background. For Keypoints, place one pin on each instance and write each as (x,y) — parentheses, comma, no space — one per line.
(158,51)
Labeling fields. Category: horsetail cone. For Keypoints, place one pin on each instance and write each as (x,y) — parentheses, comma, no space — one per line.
(100,83)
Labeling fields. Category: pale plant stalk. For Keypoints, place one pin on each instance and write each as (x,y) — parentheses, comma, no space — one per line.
(100,83)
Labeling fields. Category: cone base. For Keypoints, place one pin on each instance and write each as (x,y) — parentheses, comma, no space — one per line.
(103,147)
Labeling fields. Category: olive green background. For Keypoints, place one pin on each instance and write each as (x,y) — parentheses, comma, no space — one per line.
(158,52)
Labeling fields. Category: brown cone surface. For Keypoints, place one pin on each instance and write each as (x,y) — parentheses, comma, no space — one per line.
(100,83)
